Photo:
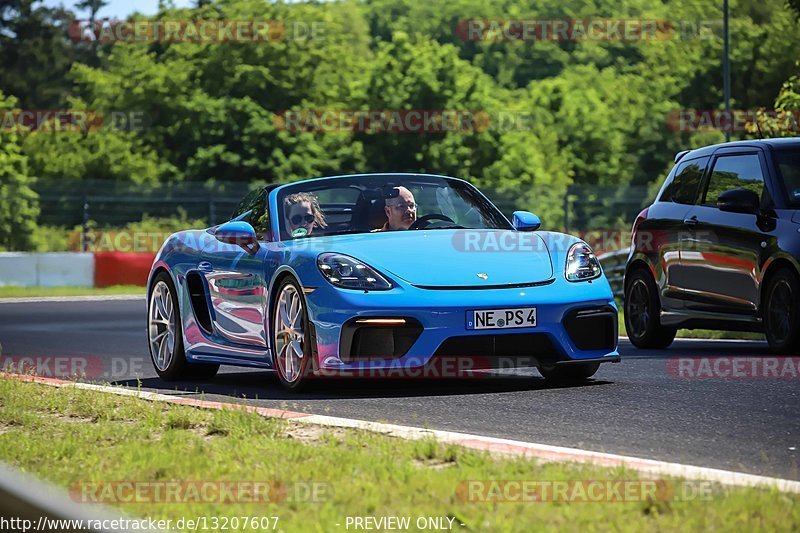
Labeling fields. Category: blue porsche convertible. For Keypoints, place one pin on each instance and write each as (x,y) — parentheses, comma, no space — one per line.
(378,275)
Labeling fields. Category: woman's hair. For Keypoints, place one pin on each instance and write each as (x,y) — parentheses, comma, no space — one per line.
(304,197)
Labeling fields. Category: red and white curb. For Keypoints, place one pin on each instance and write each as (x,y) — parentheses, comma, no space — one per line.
(543,452)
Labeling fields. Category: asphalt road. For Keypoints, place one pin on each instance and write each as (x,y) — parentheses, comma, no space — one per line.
(638,407)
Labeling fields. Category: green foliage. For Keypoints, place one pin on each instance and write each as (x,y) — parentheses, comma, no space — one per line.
(18,207)
(35,55)
(588,113)
(112,155)
(785,122)
(179,222)
(52,238)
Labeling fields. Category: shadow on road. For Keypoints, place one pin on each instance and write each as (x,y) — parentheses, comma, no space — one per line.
(264,385)
(698,348)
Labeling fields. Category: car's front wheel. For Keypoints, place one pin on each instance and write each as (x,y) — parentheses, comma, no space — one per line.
(165,335)
(569,373)
(642,312)
(291,336)
(782,312)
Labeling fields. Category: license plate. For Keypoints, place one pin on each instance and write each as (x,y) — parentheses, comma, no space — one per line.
(502,318)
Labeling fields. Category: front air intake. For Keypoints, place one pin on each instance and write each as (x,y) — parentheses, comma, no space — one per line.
(376,338)
(592,329)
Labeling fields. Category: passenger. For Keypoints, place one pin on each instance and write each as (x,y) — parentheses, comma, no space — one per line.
(401,211)
(302,214)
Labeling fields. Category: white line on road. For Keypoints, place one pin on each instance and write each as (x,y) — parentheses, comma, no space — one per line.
(58,299)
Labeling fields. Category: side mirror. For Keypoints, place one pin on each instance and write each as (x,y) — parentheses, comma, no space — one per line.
(239,233)
(739,201)
(525,221)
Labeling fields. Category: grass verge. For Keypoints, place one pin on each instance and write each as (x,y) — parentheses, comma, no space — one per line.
(67,435)
(9,291)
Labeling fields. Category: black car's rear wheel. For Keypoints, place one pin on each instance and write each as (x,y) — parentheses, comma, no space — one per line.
(642,312)
(781,311)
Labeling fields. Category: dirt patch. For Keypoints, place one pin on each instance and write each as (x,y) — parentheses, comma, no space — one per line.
(311,434)
(434,464)
(71,418)
(7,426)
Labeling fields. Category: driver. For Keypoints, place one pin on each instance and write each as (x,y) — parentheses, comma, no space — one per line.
(401,211)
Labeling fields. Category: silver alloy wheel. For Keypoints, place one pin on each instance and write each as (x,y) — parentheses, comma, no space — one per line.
(161,326)
(289,333)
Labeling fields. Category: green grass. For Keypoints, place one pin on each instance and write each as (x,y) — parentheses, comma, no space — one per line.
(700,333)
(10,291)
(67,435)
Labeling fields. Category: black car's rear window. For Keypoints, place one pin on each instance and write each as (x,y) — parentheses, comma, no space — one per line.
(788,163)
(683,187)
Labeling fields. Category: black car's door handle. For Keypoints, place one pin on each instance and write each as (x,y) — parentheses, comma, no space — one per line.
(690,221)
(205,266)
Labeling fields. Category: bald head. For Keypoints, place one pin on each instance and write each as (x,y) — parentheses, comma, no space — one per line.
(401,211)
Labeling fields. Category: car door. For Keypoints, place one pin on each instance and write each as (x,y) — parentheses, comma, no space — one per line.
(663,230)
(722,257)
(236,279)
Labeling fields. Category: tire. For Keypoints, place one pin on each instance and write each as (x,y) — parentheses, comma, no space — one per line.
(781,312)
(642,312)
(165,335)
(569,373)
(291,348)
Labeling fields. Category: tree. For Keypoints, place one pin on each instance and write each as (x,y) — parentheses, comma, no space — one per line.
(94,6)
(35,54)
(18,206)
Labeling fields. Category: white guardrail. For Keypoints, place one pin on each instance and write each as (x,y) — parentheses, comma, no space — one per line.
(55,269)
(614,268)
(77,269)
(29,504)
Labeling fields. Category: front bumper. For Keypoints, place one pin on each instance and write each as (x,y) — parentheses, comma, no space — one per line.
(442,317)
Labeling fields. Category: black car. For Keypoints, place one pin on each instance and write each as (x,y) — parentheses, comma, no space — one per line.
(720,247)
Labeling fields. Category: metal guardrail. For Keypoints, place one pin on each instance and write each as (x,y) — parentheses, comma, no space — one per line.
(27,503)
(614,267)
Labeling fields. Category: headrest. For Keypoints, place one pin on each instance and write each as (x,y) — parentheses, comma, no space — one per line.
(377,215)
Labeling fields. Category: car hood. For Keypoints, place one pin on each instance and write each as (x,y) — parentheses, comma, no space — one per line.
(448,258)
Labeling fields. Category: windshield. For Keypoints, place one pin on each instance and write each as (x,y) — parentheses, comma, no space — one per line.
(788,163)
(372,203)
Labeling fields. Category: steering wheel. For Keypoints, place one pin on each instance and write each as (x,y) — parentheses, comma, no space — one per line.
(427,220)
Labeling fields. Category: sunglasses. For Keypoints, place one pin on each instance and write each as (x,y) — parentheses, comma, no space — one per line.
(296,220)
(403,207)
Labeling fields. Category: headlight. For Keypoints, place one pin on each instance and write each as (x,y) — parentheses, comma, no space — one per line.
(581,263)
(350,273)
